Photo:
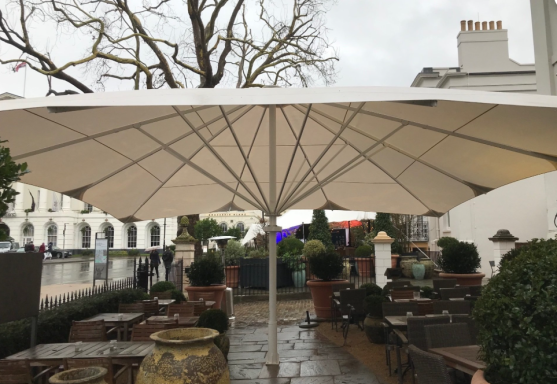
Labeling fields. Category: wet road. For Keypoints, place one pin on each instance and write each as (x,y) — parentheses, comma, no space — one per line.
(82,272)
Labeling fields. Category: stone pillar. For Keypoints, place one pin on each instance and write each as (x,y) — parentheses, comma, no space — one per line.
(503,242)
(66,203)
(185,248)
(43,198)
(382,243)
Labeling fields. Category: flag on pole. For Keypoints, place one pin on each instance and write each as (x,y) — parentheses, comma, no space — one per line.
(19,66)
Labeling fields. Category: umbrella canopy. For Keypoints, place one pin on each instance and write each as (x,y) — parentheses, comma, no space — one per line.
(147,154)
(156,247)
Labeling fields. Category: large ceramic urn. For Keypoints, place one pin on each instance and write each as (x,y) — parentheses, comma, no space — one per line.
(184,355)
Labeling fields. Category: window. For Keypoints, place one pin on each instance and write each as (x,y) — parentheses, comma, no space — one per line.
(109,234)
(52,234)
(88,207)
(86,237)
(28,233)
(155,236)
(241,227)
(132,237)
(223,227)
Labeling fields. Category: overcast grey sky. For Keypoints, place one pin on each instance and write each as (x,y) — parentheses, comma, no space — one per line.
(381,42)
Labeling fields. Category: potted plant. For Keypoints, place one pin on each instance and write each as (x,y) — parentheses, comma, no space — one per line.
(254,270)
(233,252)
(206,276)
(514,316)
(312,248)
(373,327)
(364,260)
(216,319)
(460,261)
(294,263)
(327,266)
(167,286)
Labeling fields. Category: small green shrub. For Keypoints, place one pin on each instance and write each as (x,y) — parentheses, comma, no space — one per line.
(205,272)
(214,319)
(313,247)
(86,252)
(372,289)
(510,256)
(133,252)
(233,252)
(426,292)
(516,316)
(373,305)
(162,286)
(290,245)
(258,253)
(444,242)
(327,265)
(178,296)
(293,261)
(460,257)
(363,251)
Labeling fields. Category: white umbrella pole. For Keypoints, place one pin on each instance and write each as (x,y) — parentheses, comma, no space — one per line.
(272,355)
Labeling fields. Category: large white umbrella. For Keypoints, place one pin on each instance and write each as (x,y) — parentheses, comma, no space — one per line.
(147,154)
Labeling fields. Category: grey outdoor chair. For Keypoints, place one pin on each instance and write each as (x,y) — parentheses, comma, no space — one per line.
(442,283)
(454,293)
(447,335)
(462,307)
(476,290)
(429,368)
(471,325)
(351,305)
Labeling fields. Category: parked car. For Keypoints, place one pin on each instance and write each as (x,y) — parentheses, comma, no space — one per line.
(21,250)
(5,246)
(57,253)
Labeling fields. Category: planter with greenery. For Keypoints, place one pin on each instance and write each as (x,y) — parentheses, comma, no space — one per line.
(460,260)
(294,263)
(373,327)
(312,248)
(167,286)
(290,245)
(216,319)
(233,252)
(327,267)
(206,278)
(364,260)
(372,289)
(516,316)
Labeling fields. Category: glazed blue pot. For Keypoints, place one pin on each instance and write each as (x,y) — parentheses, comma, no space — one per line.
(418,270)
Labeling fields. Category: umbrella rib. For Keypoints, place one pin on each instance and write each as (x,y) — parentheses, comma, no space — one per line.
(550,158)
(95,136)
(221,160)
(336,136)
(246,159)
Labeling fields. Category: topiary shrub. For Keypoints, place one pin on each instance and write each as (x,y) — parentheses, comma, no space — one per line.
(510,256)
(290,245)
(178,296)
(326,265)
(516,316)
(460,258)
(162,286)
(233,252)
(363,251)
(371,289)
(205,272)
(258,253)
(444,242)
(373,305)
(293,261)
(313,247)
(214,319)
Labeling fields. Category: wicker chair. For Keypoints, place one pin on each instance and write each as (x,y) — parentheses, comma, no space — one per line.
(454,307)
(454,293)
(161,295)
(185,309)
(442,283)
(471,325)
(131,308)
(429,368)
(143,332)
(335,302)
(104,362)
(475,290)
(87,331)
(397,294)
(168,320)
(447,335)
(150,307)
(396,284)
(15,372)
(351,306)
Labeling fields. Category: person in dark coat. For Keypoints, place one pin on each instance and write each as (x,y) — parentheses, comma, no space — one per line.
(155,261)
(167,259)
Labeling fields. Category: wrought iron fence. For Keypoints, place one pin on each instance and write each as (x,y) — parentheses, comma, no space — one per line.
(58,300)
(253,275)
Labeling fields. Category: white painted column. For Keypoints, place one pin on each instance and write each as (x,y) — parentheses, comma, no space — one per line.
(382,243)
(503,242)
(272,229)
(43,198)
(67,203)
(544,28)
(19,187)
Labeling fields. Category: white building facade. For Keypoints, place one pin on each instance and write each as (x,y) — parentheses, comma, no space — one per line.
(528,208)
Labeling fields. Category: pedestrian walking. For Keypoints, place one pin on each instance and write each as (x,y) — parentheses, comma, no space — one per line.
(167,259)
(155,261)
(42,248)
(31,247)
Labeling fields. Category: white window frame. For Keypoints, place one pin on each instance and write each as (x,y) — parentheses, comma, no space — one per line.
(85,237)
(223,227)
(155,238)
(131,239)
(52,237)
(242,230)
(29,237)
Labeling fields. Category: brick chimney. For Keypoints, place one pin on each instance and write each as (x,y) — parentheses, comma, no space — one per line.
(483,50)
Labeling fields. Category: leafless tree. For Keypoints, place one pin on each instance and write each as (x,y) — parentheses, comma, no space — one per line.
(171,43)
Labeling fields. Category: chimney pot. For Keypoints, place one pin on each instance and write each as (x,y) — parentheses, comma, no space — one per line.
(499,24)
(484,26)
(463,25)
(492,25)
(470,25)
(477,26)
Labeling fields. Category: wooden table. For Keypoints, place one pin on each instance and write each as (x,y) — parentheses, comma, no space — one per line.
(111,320)
(125,352)
(420,300)
(166,302)
(456,298)
(186,322)
(463,358)
(397,321)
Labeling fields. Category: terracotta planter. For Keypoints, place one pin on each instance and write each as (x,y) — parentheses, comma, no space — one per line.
(394,259)
(478,378)
(183,356)
(365,265)
(464,279)
(211,293)
(90,375)
(321,292)
(232,276)
(374,330)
